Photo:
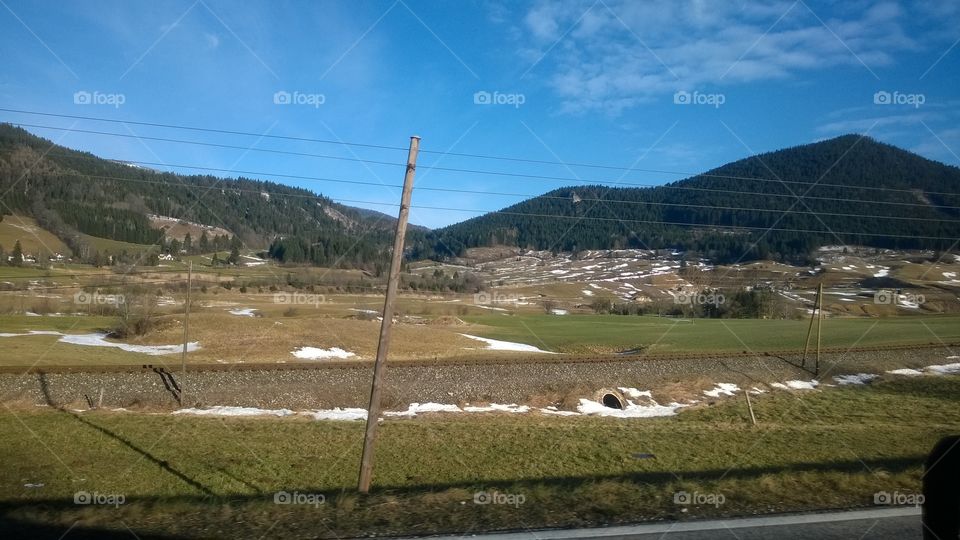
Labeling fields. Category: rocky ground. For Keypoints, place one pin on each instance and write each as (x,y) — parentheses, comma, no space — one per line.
(541,384)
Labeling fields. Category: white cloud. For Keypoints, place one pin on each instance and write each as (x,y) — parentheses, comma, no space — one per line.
(614,55)
(213,40)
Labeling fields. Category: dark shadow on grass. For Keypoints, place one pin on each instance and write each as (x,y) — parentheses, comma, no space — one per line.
(946,388)
(21,528)
(212,507)
(45,388)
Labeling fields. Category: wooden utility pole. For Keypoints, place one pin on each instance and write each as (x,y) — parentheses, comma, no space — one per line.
(753,419)
(816,315)
(186,327)
(816,368)
(393,282)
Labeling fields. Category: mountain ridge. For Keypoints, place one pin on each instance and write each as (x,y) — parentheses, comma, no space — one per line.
(780,204)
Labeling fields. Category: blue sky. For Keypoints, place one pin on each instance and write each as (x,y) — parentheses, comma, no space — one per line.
(593,81)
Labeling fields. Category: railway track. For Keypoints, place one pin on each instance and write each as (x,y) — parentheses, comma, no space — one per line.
(174,365)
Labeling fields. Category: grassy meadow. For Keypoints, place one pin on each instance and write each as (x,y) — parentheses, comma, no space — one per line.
(195,476)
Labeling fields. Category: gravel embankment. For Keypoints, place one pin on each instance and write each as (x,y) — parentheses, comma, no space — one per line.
(535,384)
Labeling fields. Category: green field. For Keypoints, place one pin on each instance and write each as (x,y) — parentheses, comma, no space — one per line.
(33,239)
(197,477)
(587,333)
(106,245)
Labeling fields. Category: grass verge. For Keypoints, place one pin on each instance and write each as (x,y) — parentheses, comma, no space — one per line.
(217,477)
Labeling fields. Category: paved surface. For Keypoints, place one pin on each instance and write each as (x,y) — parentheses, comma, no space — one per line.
(894,523)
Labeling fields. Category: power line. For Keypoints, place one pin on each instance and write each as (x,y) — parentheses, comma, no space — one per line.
(205,130)
(452,169)
(380,184)
(616,182)
(493,193)
(651,222)
(215,145)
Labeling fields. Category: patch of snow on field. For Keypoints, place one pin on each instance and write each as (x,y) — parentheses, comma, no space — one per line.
(337,413)
(481,306)
(556,412)
(884,272)
(419,408)
(497,345)
(858,378)
(797,385)
(726,389)
(235,411)
(907,372)
(33,333)
(497,407)
(100,340)
(558,311)
(634,393)
(244,312)
(315,353)
(587,292)
(632,410)
(945,369)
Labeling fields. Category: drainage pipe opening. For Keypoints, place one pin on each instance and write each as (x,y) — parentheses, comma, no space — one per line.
(612,401)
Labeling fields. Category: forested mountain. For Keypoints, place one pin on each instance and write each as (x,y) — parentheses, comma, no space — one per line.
(73,194)
(854,190)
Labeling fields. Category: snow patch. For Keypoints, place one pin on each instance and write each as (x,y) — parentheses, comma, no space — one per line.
(496,407)
(632,410)
(726,389)
(347,414)
(907,372)
(497,345)
(858,378)
(419,408)
(945,369)
(235,411)
(100,340)
(797,385)
(315,353)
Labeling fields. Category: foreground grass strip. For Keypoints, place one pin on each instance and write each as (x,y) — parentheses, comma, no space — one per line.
(221,477)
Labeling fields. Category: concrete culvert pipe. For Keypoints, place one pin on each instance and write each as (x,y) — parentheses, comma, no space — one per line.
(612,399)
